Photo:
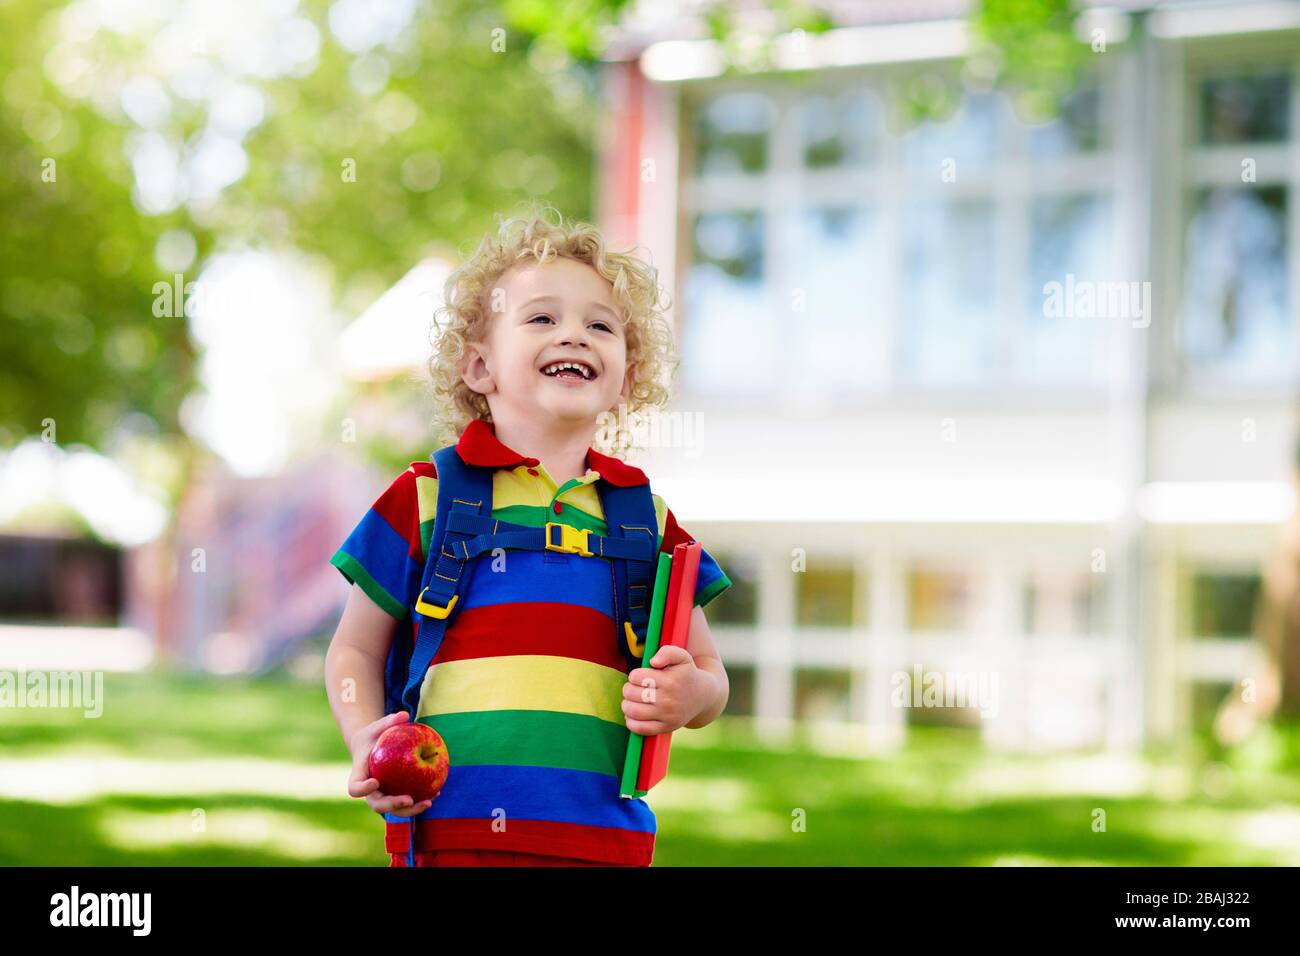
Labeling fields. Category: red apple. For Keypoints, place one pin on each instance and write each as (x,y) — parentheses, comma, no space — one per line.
(410,759)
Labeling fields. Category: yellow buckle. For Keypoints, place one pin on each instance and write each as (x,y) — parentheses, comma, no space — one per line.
(572,540)
(432,610)
(636,647)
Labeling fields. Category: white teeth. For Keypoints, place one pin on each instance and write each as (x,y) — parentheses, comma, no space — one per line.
(578,367)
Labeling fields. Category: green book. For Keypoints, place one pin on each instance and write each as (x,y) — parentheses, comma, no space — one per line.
(632,763)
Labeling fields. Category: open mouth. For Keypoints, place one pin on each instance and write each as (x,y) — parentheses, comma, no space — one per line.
(569,370)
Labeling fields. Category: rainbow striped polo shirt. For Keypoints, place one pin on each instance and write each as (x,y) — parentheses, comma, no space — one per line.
(527,685)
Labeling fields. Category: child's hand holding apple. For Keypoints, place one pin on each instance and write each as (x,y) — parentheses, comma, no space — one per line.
(397,755)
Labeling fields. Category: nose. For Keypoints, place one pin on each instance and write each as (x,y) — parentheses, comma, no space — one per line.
(573,332)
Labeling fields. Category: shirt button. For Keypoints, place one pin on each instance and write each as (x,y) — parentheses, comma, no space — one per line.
(559,508)
(532,471)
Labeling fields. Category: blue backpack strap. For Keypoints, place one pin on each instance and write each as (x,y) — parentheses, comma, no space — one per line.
(630,515)
(462,489)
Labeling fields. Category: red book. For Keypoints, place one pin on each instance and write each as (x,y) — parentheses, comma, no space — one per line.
(679,604)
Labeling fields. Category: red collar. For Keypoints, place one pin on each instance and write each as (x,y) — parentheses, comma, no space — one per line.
(478,445)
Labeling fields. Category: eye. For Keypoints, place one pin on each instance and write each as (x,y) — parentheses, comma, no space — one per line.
(602,325)
(540,316)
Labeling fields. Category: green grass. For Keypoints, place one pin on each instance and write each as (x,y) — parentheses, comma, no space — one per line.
(730,798)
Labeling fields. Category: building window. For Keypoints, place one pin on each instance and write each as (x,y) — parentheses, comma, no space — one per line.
(1064,603)
(822,694)
(842,129)
(973,134)
(1237,317)
(964,712)
(740,697)
(728,282)
(950,292)
(738,604)
(1079,128)
(1223,604)
(1236,311)
(851,257)
(1250,108)
(938,600)
(1068,236)
(835,327)
(824,597)
(731,134)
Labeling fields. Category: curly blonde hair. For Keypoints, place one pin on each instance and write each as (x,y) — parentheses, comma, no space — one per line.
(465,314)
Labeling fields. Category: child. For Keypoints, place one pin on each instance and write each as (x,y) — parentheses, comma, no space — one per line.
(529,687)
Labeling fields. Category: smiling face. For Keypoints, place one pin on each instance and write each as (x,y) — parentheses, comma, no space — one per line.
(556,348)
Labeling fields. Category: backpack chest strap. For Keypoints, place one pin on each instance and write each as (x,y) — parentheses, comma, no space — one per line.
(485,534)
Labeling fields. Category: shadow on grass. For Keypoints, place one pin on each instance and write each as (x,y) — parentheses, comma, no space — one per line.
(143,831)
(146,831)
(917,808)
(729,803)
(152,714)
(879,833)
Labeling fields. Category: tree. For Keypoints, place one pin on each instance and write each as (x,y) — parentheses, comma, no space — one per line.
(371,144)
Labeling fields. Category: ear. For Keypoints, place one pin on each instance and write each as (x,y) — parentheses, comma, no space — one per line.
(474,370)
(625,393)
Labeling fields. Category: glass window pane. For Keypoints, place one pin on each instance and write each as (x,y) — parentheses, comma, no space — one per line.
(969,136)
(840,130)
(1069,249)
(730,344)
(1077,129)
(1064,603)
(836,323)
(1223,605)
(1236,301)
(821,694)
(740,698)
(928,700)
(1245,109)
(731,133)
(738,605)
(938,600)
(947,325)
(824,597)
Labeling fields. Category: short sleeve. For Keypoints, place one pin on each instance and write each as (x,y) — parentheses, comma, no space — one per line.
(712,580)
(383,555)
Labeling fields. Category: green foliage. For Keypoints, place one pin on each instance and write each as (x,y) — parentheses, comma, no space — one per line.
(1030,47)
(474,108)
(573,25)
(462,124)
(82,347)
(457,132)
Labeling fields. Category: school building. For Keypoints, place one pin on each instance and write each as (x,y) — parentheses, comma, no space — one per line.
(984,398)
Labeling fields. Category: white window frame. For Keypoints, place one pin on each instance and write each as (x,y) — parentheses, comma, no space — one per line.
(1194,167)
(1012,183)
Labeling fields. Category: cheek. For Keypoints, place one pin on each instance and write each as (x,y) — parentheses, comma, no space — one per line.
(616,357)
(518,364)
